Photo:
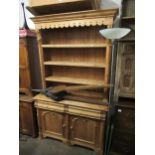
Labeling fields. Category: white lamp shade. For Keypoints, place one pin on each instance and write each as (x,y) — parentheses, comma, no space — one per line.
(114,33)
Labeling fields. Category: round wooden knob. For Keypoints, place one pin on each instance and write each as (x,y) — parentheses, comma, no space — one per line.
(64,125)
(71,127)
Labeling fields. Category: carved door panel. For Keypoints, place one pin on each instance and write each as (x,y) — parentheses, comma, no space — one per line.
(127,70)
(84,131)
(128,8)
(53,124)
(25,117)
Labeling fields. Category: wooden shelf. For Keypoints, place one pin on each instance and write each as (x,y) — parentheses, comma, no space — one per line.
(74,80)
(74,64)
(74,45)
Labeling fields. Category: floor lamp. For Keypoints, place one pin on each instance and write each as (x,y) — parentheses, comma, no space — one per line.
(112,34)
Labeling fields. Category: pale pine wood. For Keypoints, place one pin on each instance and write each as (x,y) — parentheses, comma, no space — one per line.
(76,64)
(74,81)
(49,2)
(59,106)
(76,56)
(56,54)
(74,37)
(76,19)
(43,98)
(94,3)
(72,52)
(71,121)
(75,46)
(57,6)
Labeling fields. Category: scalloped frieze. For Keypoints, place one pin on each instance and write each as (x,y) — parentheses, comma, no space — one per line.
(77,23)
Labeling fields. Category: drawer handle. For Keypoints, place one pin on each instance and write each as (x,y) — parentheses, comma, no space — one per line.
(119,110)
(64,125)
(71,127)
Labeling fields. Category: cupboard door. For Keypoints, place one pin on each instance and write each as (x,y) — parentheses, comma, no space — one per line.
(53,124)
(127,70)
(25,117)
(84,131)
(128,8)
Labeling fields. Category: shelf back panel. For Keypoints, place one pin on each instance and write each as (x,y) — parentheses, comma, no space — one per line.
(94,56)
(77,35)
(71,72)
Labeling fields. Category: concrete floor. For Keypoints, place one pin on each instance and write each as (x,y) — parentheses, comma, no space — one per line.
(37,146)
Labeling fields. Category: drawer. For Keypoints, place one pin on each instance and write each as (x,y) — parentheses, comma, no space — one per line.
(34,3)
(56,6)
(85,112)
(57,107)
(75,110)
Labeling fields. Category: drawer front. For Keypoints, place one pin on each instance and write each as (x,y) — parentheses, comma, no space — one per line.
(57,107)
(72,110)
(26,118)
(96,114)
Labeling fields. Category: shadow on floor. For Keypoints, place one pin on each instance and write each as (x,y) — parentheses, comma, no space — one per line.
(37,146)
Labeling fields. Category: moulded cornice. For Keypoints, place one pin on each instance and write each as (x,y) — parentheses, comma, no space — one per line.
(76,19)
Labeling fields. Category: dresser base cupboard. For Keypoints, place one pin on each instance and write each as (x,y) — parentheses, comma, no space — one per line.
(74,123)
(27,116)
